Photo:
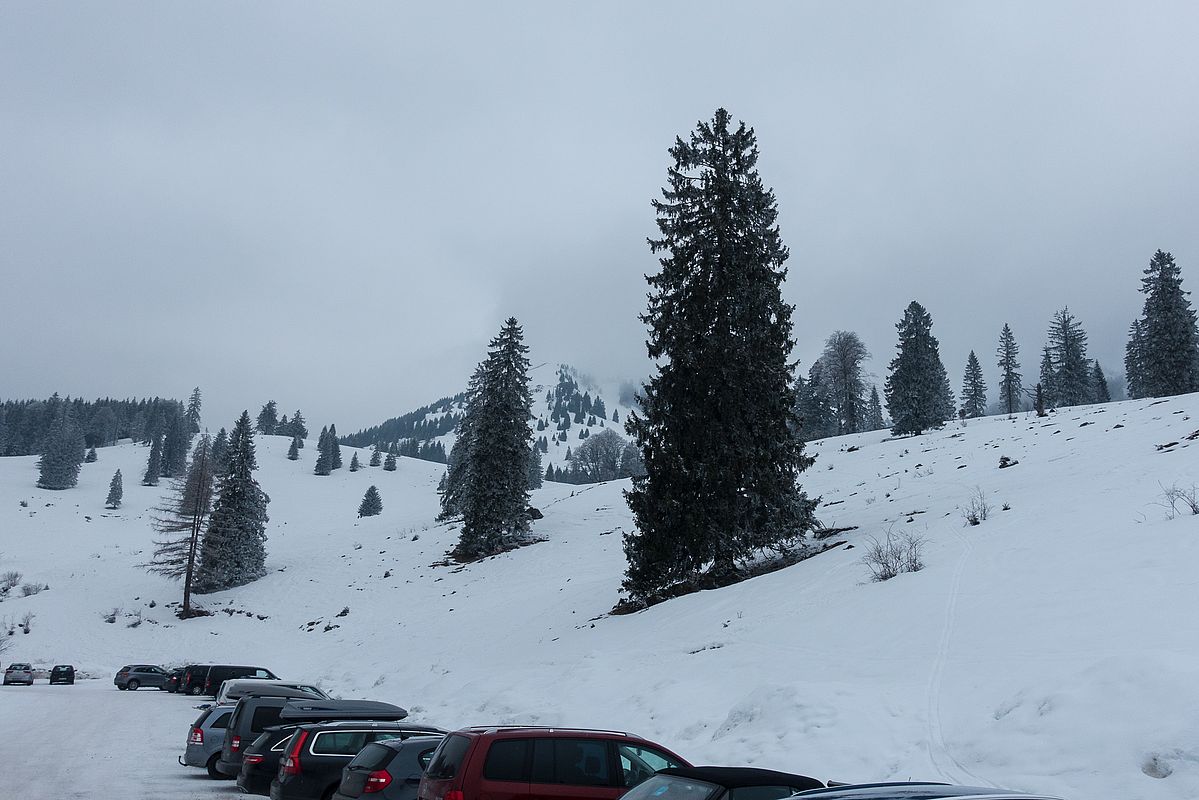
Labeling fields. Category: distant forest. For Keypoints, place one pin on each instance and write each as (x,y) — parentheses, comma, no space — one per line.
(24,424)
(410,431)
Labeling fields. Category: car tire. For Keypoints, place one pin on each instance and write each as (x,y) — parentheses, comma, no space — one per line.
(196,691)
(132,685)
(122,688)
(213,772)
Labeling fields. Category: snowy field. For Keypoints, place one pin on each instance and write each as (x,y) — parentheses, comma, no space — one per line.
(1054,648)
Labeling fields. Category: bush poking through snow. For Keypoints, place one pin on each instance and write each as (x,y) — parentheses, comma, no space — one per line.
(8,582)
(898,553)
(977,508)
(27,621)
(1176,500)
(28,589)
(111,616)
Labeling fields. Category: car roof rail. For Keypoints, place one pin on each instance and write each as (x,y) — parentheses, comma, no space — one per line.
(547,728)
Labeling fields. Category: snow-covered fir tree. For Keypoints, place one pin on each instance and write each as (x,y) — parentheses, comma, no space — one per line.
(813,407)
(1134,361)
(192,414)
(116,491)
(334,449)
(180,521)
(916,390)
(354,463)
(91,456)
(220,451)
(1048,384)
(974,389)
(233,552)
(534,468)
(874,412)
(376,456)
(324,457)
(372,503)
(494,492)
(293,451)
(153,463)
(718,426)
(268,418)
(176,441)
(1099,384)
(1068,354)
(298,427)
(62,453)
(389,463)
(1169,341)
(1010,385)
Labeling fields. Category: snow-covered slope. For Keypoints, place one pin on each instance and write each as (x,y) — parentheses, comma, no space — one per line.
(1054,647)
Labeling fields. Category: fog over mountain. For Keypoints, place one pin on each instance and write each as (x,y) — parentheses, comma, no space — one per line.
(336,207)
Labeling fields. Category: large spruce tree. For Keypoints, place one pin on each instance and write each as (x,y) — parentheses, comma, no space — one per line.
(1169,343)
(62,453)
(334,449)
(718,426)
(116,491)
(1048,384)
(1071,370)
(233,552)
(974,389)
(372,503)
(192,415)
(324,459)
(917,390)
(1010,385)
(494,495)
(874,412)
(268,418)
(153,463)
(1134,361)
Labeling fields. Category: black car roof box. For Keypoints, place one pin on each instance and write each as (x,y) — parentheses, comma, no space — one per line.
(316,710)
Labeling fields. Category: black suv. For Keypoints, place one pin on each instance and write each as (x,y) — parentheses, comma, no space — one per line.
(389,770)
(62,673)
(260,762)
(219,673)
(192,681)
(316,754)
(253,714)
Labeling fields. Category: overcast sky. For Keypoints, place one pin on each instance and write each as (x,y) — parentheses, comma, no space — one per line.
(336,205)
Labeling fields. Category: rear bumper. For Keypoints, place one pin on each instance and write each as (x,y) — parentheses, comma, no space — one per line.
(257,782)
(227,768)
(196,756)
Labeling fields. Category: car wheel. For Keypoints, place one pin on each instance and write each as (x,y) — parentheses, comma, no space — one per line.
(133,684)
(213,772)
(196,691)
(122,688)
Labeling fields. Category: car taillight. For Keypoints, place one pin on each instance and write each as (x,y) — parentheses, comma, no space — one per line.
(197,736)
(254,759)
(455,794)
(235,743)
(291,764)
(377,781)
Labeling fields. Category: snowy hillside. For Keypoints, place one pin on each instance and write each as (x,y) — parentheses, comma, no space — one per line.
(1054,647)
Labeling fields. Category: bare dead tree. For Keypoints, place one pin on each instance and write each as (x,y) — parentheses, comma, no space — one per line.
(181,519)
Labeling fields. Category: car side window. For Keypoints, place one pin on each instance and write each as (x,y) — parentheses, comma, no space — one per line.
(262,673)
(574,762)
(339,743)
(221,720)
(425,757)
(507,760)
(639,763)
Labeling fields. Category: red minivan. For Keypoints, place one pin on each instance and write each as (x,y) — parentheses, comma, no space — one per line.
(541,764)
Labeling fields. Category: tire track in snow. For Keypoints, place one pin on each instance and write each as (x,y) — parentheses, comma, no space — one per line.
(939,756)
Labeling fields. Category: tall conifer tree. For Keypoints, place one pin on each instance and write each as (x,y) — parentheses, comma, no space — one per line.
(233,552)
(917,389)
(62,452)
(718,426)
(154,463)
(1009,371)
(116,491)
(180,520)
(1067,350)
(974,389)
(1170,345)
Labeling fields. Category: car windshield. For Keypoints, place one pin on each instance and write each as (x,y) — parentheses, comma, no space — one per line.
(672,787)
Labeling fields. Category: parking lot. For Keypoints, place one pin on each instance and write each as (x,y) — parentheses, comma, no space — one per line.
(90,740)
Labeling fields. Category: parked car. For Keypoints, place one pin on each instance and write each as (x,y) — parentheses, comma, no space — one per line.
(174,679)
(914,791)
(315,768)
(193,679)
(62,673)
(204,739)
(219,673)
(19,673)
(721,783)
(596,765)
(389,770)
(134,676)
(253,714)
(234,690)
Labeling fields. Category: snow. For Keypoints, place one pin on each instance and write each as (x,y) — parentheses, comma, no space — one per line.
(1052,648)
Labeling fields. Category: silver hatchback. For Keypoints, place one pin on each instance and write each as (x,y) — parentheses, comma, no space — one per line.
(19,673)
(204,739)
